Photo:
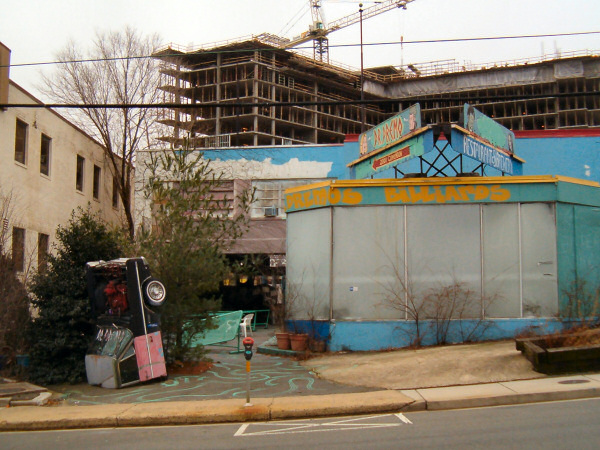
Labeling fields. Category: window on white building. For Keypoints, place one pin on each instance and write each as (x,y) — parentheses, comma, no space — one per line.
(43,248)
(96,187)
(21,142)
(45,155)
(269,196)
(18,249)
(80,172)
(115,193)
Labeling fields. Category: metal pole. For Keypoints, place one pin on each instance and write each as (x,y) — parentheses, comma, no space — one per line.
(248,384)
(362,77)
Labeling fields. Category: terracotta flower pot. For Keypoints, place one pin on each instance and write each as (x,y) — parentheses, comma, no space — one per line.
(283,341)
(299,342)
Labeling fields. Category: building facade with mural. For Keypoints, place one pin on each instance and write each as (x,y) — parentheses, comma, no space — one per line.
(452,252)
(270,170)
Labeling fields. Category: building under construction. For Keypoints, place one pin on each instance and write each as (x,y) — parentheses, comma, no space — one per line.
(227,91)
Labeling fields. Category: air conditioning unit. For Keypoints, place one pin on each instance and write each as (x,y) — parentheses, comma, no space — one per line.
(271,211)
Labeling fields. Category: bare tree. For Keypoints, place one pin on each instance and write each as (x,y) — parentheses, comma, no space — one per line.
(117,70)
(14,304)
(7,213)
(398,293)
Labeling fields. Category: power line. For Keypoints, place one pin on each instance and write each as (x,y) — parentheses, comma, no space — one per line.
(416,42)
(186,106)
(488,38)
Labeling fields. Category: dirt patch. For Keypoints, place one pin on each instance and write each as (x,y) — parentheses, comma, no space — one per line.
(189,368)
(427,367)
(576,337)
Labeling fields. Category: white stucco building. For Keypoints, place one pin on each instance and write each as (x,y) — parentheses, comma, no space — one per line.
(48,167)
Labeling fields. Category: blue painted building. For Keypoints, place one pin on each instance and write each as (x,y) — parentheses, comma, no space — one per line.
(507,253)
(562,223)
(462,258)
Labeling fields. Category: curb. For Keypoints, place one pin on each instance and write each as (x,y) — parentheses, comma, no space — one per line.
(516,399)
(30,418)
(508,392)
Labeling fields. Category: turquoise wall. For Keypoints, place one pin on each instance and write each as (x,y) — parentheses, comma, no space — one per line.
(577,157)
(388,334)
(578,250)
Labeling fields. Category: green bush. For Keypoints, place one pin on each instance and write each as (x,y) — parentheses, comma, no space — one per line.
(62,328)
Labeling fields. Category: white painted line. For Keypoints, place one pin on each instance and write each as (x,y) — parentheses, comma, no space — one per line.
(290,427)
(403,418)
(316,428)
(358,418)
(241,430)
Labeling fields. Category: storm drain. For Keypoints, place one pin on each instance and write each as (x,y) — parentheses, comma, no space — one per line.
(573,381)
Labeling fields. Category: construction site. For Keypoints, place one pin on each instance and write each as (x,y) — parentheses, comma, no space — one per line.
(260,91)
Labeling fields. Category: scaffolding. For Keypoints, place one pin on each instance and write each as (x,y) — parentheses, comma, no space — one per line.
(226,94)
(224,91)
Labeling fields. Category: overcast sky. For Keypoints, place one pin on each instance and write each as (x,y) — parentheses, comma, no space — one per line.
(35,30)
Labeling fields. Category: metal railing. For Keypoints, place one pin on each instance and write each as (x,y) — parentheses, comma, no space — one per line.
(409,71)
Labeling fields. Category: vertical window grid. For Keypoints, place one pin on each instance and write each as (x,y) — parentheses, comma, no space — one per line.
(269,194)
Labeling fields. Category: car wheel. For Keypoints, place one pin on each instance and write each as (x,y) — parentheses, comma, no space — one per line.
(154,292)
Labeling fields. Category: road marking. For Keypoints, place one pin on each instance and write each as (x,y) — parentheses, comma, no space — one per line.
(403,418)
(241,430)
(291,427)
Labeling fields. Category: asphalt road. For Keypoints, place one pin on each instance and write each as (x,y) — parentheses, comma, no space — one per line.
(554,425)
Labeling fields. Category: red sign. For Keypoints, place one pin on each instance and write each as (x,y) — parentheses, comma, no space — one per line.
(391,157)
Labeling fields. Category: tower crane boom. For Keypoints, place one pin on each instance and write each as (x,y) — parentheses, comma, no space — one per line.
(318,32)
(373,11)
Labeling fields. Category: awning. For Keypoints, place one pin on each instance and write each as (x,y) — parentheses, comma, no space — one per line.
(264,236)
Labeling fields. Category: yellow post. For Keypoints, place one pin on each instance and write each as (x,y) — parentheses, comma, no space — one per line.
(248,384)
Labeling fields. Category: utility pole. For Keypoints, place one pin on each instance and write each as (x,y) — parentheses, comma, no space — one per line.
(362,76)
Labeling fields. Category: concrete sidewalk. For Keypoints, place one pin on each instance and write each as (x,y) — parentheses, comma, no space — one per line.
(434,378)
(28,418)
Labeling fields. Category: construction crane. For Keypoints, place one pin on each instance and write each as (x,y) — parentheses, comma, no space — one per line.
(318,31)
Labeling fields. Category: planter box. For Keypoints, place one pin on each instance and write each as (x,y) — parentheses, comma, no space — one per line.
(557,359)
